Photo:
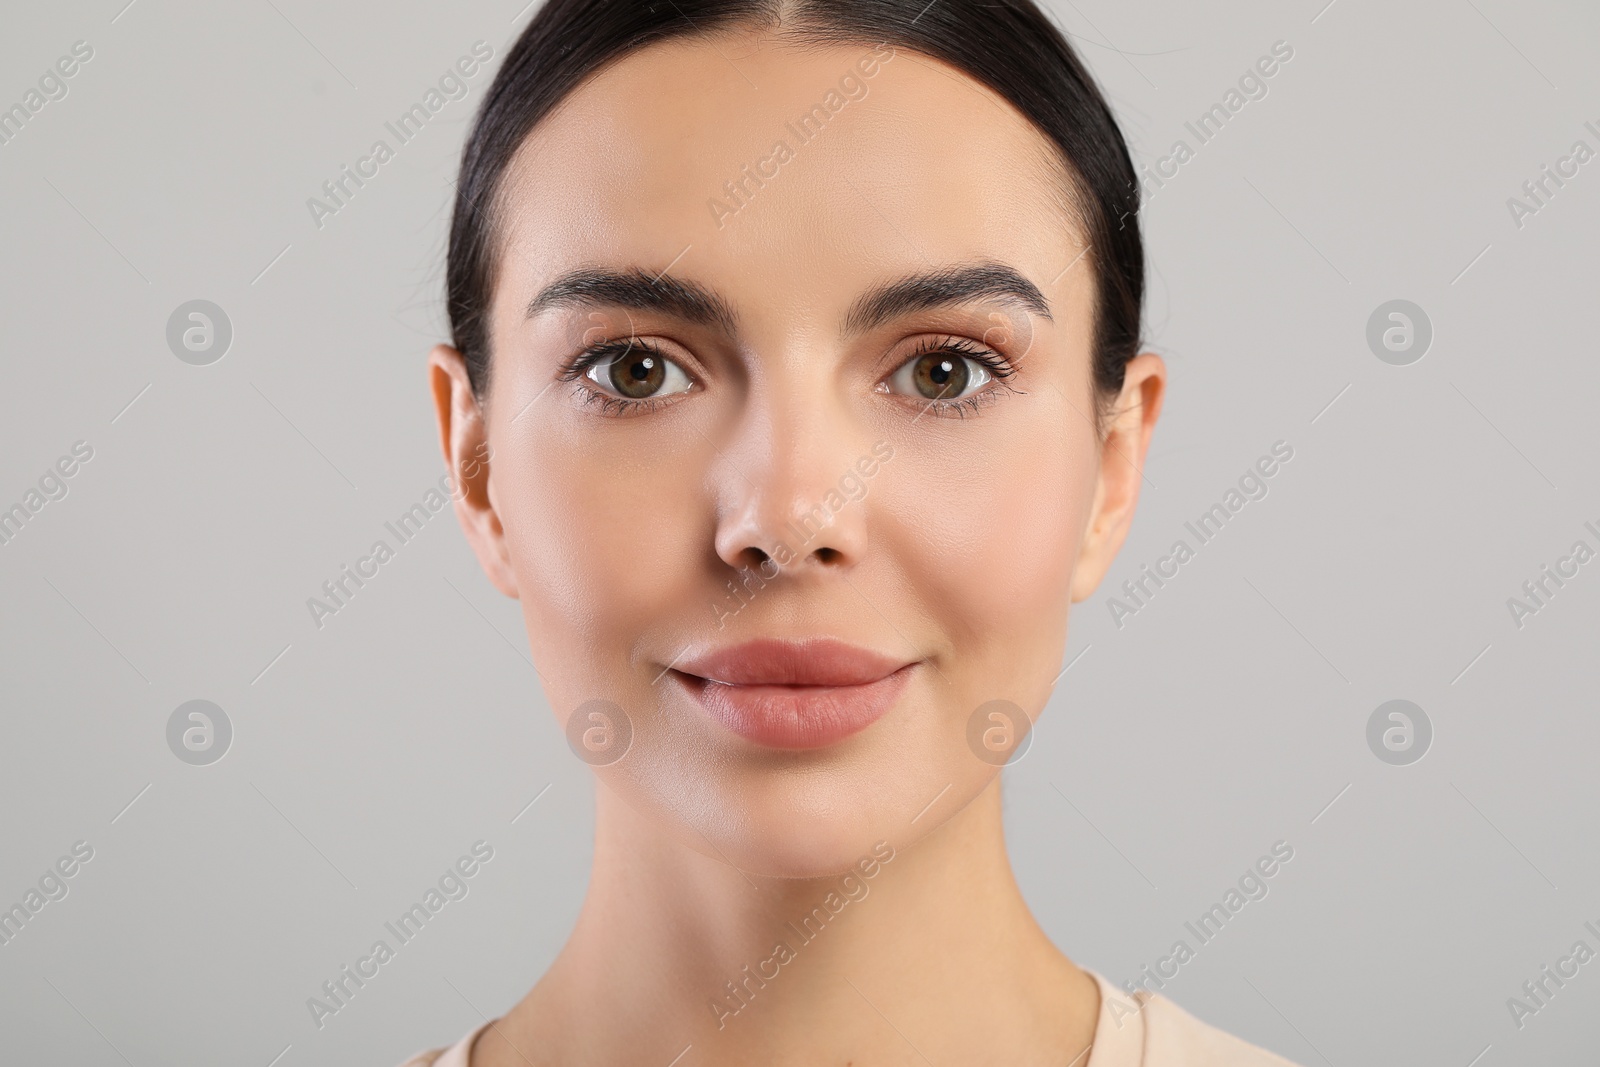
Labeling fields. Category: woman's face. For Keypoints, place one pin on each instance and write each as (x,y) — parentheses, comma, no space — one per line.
(842,392)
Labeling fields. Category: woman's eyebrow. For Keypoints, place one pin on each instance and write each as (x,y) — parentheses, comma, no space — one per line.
(940,288)
(634,288)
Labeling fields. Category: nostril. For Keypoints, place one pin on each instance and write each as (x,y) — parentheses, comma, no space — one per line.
(827,555)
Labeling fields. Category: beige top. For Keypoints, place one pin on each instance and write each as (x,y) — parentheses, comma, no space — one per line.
(1142,1031)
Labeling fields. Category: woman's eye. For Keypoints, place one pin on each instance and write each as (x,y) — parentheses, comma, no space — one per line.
(639,374)
(940,376)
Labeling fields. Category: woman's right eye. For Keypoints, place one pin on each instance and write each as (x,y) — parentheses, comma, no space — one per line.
(638,372)
(940,375)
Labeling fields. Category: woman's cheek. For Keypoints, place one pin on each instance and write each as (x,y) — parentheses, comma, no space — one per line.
(991,551)
(600,540)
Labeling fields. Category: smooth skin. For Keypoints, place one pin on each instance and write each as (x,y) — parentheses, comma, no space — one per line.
(618,531)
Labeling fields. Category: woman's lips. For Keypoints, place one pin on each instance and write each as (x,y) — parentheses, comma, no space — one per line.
(795,694)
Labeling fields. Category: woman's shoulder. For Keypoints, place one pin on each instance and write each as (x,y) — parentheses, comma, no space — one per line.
(424,1059)
(1148,1030)
(1140,1031)
(1174,1038)
(455,1055)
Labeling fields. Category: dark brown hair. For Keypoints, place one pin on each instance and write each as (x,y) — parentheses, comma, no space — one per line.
(1008,45)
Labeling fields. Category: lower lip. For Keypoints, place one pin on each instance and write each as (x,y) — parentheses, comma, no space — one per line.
(797,716)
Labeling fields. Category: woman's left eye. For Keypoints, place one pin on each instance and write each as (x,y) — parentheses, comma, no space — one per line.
(639,373)
(942,374)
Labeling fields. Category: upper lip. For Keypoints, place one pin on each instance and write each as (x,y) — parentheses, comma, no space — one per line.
(820,661)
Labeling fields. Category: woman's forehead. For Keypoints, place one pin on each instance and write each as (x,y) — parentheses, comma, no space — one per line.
(764,164)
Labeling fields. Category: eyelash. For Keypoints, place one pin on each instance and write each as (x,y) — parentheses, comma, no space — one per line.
(604,352)
(617,407)
(998,367)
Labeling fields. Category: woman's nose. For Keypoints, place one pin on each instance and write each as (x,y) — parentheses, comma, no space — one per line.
(790,489)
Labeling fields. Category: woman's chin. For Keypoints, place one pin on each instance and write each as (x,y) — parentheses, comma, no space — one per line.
(783,827)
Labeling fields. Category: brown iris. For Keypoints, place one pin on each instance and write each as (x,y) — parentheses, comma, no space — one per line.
(637,374)
(939,375)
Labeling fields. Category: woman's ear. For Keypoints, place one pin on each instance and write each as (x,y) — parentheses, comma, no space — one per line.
(464,438)
(1121,470)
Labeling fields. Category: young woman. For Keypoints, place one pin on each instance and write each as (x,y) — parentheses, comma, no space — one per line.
(796,393)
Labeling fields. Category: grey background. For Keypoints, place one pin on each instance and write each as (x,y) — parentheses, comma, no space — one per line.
(1228,714)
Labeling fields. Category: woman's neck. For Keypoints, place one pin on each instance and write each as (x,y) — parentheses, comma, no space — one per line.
(932,956)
